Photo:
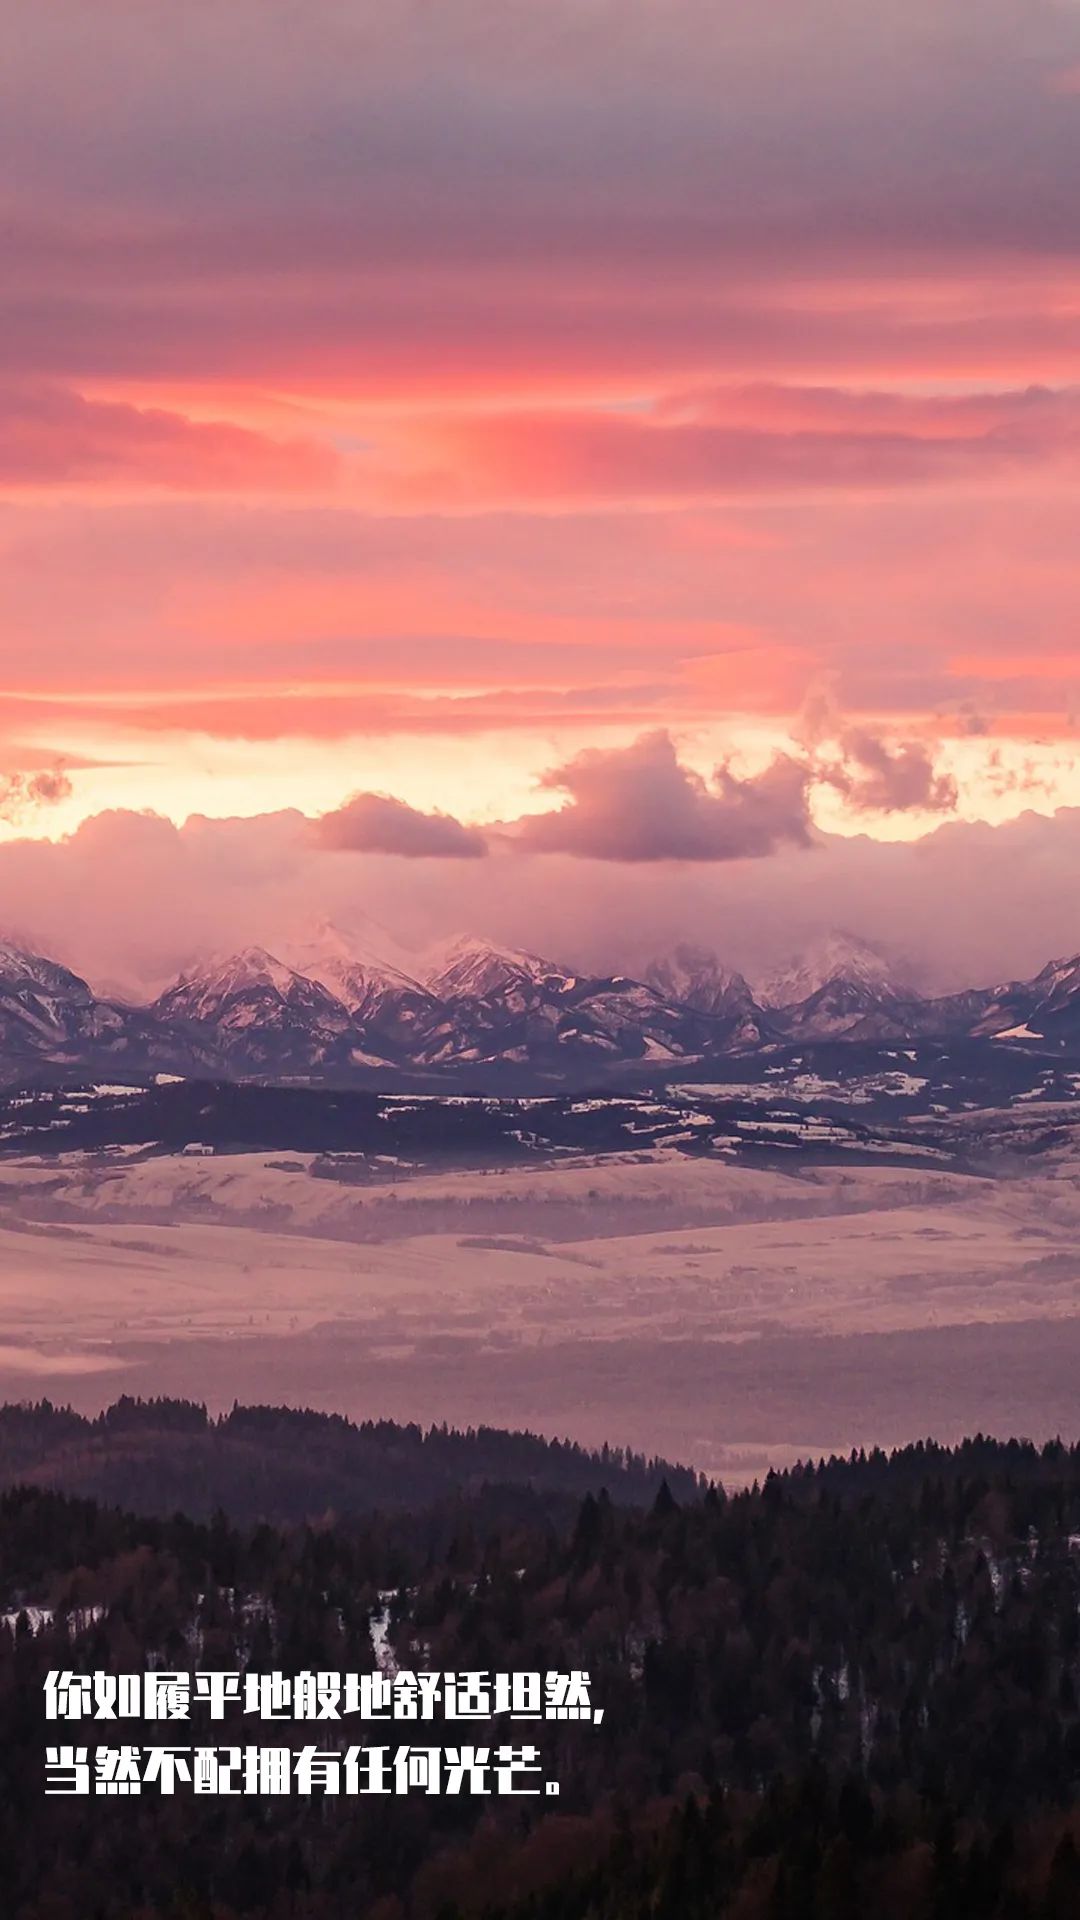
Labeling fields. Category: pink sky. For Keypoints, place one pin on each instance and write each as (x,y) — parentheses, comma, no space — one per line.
(645,431)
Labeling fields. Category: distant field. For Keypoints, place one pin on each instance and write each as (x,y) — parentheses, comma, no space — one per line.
(730,1314)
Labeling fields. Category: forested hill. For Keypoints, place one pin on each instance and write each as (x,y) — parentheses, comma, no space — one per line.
(851,1691)
(283,1465)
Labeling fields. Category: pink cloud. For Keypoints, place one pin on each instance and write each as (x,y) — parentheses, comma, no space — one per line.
(53,436)
(843,308)
(879,777)
(538,200)
(639,803)
(1039,411)
(747,441)
(25,793)
(377,823)
(130,899)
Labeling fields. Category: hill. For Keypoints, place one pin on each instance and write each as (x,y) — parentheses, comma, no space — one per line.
(284,1465)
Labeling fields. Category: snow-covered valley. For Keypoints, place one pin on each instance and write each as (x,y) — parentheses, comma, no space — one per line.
(733,1313)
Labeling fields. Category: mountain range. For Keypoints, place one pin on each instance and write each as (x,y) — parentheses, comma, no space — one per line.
(334,1013)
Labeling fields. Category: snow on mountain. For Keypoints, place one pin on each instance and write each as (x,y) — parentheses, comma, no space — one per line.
(398,1019)
(847,1009)
(843,988)
(330,954)
(467,968)
(43,1007)
(357,974)
(203,994)
(330,1007)
(19,967)
(1057,987)
(1045,1008)
(253,1007)
(637,1021)
(503,1003)
(49,1015)
(498,1003)
(836,956)
(695,977)
(369,989)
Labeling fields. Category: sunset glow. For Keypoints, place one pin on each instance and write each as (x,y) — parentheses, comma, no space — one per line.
(409,401)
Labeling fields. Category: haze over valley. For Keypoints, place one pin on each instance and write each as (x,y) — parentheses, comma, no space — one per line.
(735,1274)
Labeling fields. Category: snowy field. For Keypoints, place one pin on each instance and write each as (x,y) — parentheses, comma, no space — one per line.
(727,1315)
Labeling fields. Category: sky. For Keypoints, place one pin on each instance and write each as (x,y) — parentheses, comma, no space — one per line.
(563,466)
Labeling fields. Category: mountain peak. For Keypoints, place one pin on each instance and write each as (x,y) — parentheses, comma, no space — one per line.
(1046,1007)
(1059,979)
(467,967)
(698,978)
(834,956)
(349,968)
(328,1008)
(20,963)
(252,974)
(248,967)
(260,1010)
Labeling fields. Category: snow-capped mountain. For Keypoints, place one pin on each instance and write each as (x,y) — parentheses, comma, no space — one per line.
(394,1010)
(377,992)
(1046,1008)
(44,1008)
(835,956)
(846,1009)
(255,1011)
(334,1010)
(19,966)
(632,1019)
(349,965)
(50,1015)
(695,977)
(469,969)
(842,988)
(504,1003)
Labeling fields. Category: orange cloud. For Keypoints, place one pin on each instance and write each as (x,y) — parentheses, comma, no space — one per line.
(24,794)
(745,442)
(433,371)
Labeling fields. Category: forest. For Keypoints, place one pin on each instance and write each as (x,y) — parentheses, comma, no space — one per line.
(852,1689)
(286,1464)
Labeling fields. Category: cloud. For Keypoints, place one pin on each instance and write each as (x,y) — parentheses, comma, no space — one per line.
(51,435)
(1036,411)
(129,899)
(639,803)
(873,773)
(748,440)
(24,794)
(362,225)
(377,823)
(876,777)
(745,441)
(423,196)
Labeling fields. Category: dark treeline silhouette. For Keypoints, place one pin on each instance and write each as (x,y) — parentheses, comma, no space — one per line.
(852,1690)
(284,1465)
